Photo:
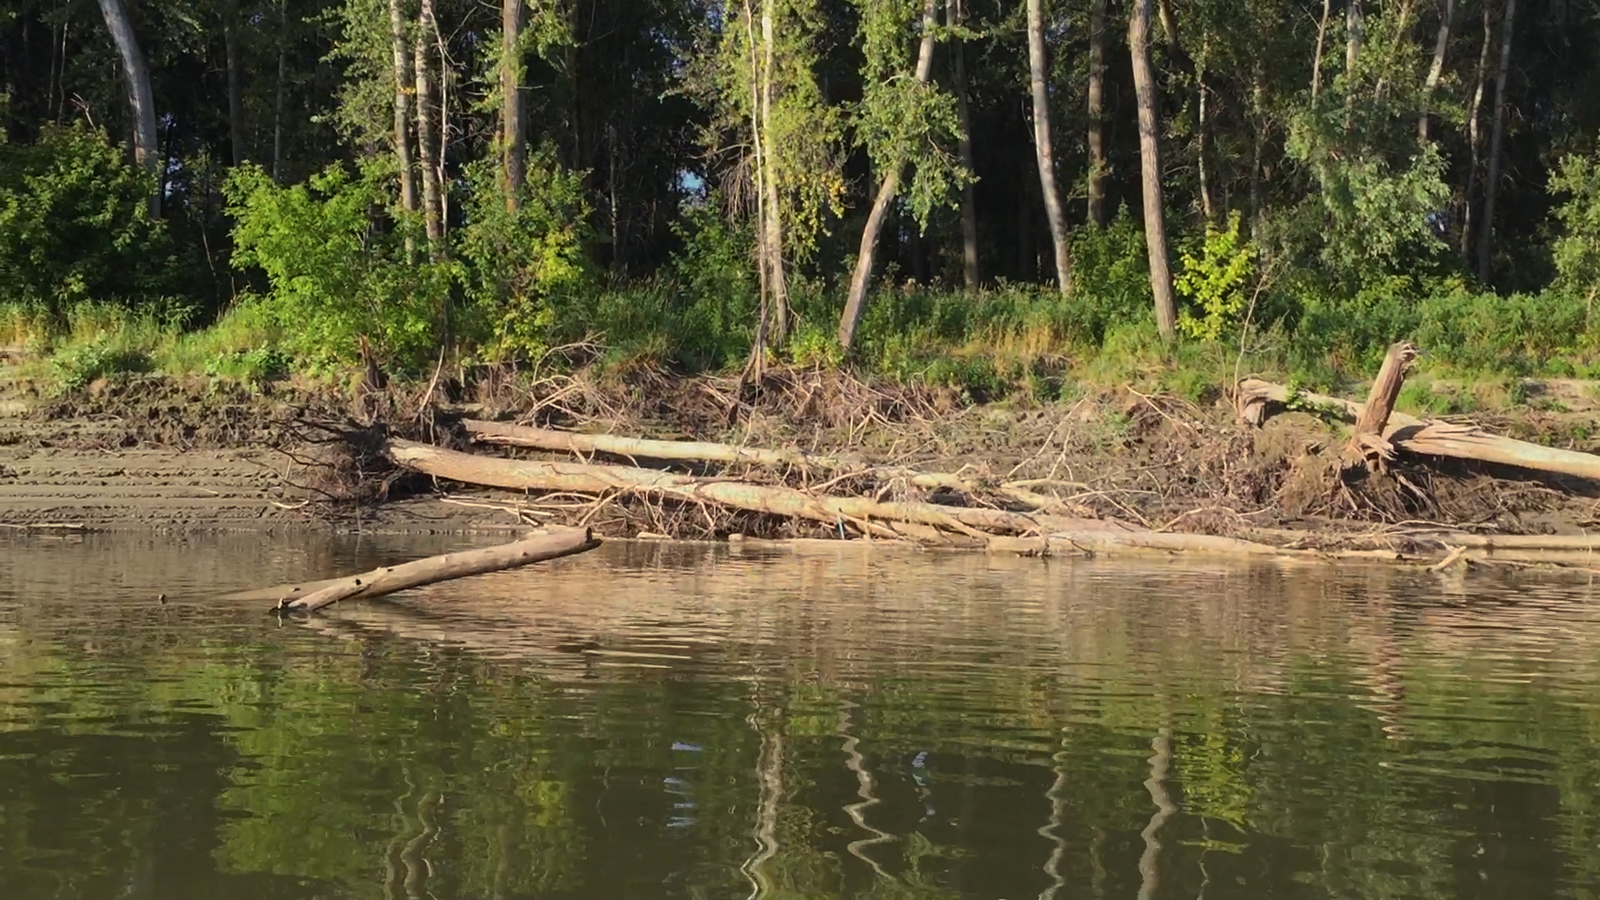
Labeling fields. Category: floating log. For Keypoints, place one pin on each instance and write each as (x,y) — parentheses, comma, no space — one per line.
(312,596)
(1259,400)
(782,501)
(1101,540)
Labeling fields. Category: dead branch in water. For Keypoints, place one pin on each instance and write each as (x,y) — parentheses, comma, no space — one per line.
(312,596)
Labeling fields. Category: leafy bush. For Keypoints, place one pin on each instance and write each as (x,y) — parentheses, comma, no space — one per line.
(335,277)
(1214,282)
(524,268)
(75,224)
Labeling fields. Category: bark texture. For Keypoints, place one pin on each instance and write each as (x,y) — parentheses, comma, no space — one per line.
(1097,113)
(1155,224)
(1044,155)
(141,99)
(404,76)
(513,135)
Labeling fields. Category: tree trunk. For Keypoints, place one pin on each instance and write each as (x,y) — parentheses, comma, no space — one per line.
(402,115)
(758,349)
(1155,225)
(1316,57)
(1374,417)
(1258,149)
(1044,156)
(777,281)
(1354,34)
(283,77)
(1097,113)
(1202,133)
(1475,133)
(431,210)
(856,305)
(955,15)
(512,134)
(1491,186)
(141,100)
(1436,71)
(230,42)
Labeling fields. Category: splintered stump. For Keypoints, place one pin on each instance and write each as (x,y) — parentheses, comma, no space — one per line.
(1368,446)
(312,596)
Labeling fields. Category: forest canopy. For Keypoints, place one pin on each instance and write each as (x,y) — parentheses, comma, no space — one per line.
(905,185)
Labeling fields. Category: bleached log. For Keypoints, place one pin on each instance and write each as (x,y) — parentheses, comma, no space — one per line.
(782,501)
(311,596)
(705,451)
(1259,400)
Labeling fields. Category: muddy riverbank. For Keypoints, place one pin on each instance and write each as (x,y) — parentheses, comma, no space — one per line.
(161,454)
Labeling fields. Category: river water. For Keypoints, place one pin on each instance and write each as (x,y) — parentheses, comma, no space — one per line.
(658,721)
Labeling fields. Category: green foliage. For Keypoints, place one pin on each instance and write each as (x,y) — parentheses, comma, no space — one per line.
(901,120)
(1215,281)
(1577,250)
(75,224)
(333,275)
(1111,277)
(522,266)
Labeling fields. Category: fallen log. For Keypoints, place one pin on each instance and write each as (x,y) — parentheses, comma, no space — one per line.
(1259,400)
(312,596)
(1091,541)
(499,433)
(585,478)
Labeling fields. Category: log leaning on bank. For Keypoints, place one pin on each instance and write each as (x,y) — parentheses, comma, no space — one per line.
(312,596)
(1257,400)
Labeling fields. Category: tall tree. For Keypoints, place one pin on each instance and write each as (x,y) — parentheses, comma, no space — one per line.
(1044,156)
(141,99)
(513,136)
(230,41)
(1097,113)
(955,17)
(904,111)
(1436,71)
(1491,185)
(772,227)
(432,209)
(1475,133)
(404,77)
(1155,225)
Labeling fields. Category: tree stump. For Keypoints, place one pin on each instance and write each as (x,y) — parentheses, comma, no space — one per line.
(1368,446)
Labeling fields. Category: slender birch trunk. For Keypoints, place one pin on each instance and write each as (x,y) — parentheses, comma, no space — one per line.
(888,188)
(1155,225)
(141,99)
(1491,186)
(1044,155)
(1436,70)
(431,210)
(1475,132)
(1202,133)
(777,279)
(403,74)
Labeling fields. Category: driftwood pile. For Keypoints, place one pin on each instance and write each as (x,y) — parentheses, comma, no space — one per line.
(847,499)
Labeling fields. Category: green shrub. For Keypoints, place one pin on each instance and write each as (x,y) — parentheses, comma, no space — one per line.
(75,225)
(333,276)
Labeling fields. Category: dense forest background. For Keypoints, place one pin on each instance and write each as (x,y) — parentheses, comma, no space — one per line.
(955,189)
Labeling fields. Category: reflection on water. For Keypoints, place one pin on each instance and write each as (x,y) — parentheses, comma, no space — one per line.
(660,721)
